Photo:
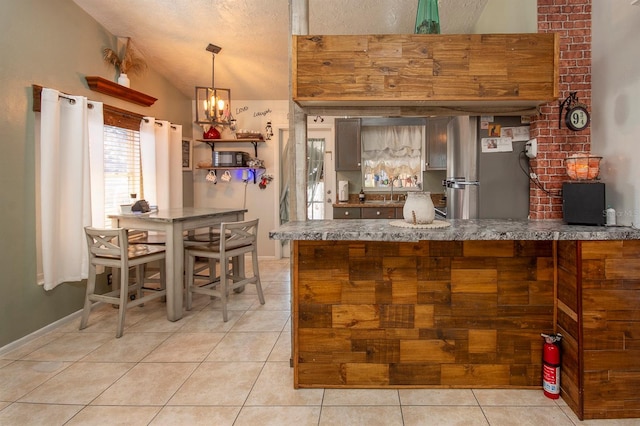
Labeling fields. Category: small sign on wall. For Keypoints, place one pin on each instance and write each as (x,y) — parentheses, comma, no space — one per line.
(520,133)
(496,145)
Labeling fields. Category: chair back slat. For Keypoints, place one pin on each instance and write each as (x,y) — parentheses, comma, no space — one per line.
(107,242)
(238,234)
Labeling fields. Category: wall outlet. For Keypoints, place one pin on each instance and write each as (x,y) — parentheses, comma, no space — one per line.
(531,148)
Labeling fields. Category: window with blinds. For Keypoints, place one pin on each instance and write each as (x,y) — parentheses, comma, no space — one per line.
(122,170)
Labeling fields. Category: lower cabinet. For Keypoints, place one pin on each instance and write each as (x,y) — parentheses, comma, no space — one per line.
(378,213)
(367,213)
(346,213)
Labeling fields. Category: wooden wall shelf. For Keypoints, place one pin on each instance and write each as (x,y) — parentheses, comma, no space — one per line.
(99,84)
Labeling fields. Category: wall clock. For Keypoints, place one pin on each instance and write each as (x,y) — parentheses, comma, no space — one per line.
(577,118)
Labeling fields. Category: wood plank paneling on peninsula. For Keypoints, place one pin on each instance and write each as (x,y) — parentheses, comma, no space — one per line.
(437,313)
(600,284)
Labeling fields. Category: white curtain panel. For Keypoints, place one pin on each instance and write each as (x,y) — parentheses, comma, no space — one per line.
(163,172)
(175,165)
(148,159)
(161,145)
(96,161)
(65,189)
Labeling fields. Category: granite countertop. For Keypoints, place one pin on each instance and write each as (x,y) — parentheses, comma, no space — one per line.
(460,230)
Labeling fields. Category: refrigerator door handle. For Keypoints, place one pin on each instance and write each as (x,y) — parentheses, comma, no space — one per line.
(458,183)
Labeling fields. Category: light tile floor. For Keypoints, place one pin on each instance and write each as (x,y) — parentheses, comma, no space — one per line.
(200,370)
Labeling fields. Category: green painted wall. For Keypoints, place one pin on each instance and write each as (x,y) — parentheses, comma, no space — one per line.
(52,43)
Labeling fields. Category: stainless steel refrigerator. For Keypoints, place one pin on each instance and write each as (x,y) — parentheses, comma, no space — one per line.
(484,185)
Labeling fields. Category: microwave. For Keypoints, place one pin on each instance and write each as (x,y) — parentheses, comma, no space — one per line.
(230,158)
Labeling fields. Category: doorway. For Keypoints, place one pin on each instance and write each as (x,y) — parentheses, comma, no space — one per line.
(320,171)
(316,131)
(282,201)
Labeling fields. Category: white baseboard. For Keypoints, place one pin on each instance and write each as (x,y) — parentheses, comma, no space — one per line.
(38,333)
(44,330)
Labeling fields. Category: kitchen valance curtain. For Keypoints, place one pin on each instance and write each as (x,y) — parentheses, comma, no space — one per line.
(395,149)
(71,137)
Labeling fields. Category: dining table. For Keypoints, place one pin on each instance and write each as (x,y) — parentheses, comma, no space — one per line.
(174,223)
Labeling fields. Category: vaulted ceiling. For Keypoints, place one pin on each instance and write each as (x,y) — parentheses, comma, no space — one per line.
(254,35)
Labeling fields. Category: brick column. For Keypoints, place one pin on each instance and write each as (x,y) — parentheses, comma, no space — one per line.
(572,20)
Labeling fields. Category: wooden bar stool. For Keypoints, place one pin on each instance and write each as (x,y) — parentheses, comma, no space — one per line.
(111,248)
(236,239)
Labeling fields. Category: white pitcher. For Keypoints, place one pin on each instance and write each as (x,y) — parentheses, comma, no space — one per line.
(419,208)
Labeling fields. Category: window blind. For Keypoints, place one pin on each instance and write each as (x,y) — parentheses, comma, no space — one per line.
(122,171)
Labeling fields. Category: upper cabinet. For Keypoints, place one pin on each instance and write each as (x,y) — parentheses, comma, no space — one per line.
(418,74)
(436,143)
(348,144)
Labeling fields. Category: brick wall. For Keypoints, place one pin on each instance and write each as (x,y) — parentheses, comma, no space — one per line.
(572,20)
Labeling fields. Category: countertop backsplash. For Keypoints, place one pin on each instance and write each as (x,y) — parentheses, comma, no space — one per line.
(371,198)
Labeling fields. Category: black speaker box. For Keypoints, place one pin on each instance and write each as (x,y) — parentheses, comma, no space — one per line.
(583,203)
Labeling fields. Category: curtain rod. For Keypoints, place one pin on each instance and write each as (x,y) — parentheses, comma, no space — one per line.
(159,123)
(73,101)
(37,101)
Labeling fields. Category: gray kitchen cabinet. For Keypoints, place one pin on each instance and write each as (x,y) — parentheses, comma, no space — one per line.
(379,213)
(436,141)
(348,151)
(346,213)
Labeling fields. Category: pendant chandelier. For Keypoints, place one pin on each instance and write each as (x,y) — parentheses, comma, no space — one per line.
(213,104)
(427,17)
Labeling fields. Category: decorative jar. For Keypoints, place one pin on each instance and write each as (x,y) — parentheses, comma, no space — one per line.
(123,80)
(419,208)
(212,133)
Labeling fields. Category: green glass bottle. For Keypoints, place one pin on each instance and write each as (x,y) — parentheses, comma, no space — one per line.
(427,18)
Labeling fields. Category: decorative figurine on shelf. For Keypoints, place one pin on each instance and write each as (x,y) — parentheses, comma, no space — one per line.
(255,163)
(268,131)
(264,180)
(129,64)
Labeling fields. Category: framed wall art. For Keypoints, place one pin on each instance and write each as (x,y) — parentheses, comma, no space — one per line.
(187,154)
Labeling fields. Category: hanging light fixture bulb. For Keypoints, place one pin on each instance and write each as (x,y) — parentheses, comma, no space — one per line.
(215,101)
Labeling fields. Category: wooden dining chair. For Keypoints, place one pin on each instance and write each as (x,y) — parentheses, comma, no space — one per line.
(151,274)
(236,239)
(111,248)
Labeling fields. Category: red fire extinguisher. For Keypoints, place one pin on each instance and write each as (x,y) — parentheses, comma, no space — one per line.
(551,365)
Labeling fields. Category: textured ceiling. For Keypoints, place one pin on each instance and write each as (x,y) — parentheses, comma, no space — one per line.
(172,35)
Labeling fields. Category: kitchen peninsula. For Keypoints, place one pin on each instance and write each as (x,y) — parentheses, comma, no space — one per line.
(378,306)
